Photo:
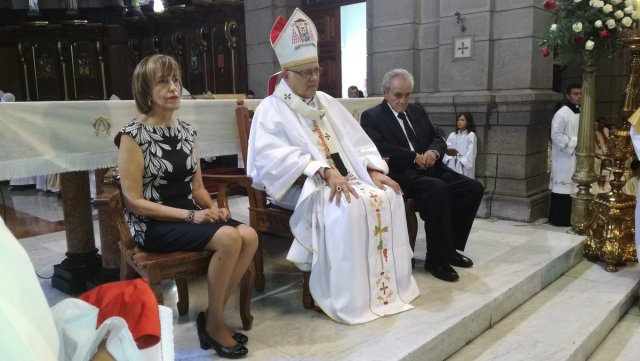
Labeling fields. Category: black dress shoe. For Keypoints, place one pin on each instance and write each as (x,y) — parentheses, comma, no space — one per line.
(236,351)
(201,322)
(441,269)
(459,260)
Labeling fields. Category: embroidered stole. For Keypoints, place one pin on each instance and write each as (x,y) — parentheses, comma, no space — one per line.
(319,126)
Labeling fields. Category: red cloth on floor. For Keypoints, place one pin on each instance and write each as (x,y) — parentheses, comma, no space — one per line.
(133,301)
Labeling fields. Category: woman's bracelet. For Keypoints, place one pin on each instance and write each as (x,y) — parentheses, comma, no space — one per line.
(190,216)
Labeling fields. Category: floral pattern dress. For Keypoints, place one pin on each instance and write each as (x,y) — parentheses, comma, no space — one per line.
(169,167)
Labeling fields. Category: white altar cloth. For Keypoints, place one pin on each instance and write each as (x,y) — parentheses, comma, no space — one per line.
(39,138)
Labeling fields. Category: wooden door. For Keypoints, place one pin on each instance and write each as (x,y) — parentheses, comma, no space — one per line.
(327,21)
(326,15)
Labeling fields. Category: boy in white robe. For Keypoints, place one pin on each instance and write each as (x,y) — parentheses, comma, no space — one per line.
(564,138)
(349,223)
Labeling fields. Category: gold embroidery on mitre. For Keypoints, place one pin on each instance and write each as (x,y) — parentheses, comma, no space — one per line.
(291,64)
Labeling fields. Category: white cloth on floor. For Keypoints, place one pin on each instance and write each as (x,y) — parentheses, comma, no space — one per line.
(27,331)
(31,331)
(79,339)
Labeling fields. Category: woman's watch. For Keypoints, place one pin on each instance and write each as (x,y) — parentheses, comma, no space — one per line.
(190,216)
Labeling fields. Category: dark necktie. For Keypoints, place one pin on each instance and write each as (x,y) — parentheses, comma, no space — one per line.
(409,130)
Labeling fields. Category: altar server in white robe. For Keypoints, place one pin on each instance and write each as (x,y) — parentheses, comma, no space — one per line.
(564,138)
(462,147)
(349,222)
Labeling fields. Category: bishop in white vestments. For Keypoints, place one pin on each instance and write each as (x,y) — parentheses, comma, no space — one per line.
(349,222)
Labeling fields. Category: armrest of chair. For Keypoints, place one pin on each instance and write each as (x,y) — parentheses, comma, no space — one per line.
(223,181)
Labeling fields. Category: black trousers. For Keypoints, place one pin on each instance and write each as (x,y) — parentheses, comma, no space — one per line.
(447,203)
(560,210)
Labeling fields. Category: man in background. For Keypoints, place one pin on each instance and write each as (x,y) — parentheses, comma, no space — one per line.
(564,138)
(354,92)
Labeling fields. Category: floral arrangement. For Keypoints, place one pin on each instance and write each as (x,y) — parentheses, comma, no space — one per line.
(587,25)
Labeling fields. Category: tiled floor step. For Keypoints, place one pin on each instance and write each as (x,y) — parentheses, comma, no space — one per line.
(565,321)
(623,342)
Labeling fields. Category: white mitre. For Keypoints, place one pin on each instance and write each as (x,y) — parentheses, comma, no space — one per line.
(295,41)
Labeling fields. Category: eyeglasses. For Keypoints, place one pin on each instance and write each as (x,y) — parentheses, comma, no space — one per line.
(308,73)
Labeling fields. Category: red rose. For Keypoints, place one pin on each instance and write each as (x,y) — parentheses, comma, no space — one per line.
(545,52)
(578,39)
(604,34)
(550,4)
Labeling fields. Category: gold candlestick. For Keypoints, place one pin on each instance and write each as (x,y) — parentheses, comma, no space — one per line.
(610,219)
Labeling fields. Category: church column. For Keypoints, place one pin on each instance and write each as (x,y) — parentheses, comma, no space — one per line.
(261,60)
(82,260)
(521,79)
(399,33)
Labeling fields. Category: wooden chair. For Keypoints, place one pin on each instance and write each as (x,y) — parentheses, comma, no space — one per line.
(179,266)
(271,219)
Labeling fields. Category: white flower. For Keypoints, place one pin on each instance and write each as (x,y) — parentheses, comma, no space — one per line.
(611,23)
(615,2)
(626,21)
(597,3)
(577,27)
(628,10)
(636,15)
(598,24)
(577,1)
(628,2)
(589,45)
(554,27)
(618,14)
(607,8)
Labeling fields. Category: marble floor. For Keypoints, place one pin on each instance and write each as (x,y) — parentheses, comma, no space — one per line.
(511,259)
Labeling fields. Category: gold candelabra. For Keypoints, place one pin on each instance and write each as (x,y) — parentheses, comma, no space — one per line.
(610,222)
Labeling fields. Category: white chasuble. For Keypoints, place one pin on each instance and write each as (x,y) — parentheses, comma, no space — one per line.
(358,252)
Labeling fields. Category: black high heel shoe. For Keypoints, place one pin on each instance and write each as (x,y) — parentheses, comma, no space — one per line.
(233,352)
(239,337)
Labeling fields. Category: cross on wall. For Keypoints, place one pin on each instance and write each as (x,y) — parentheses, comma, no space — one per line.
(462,47)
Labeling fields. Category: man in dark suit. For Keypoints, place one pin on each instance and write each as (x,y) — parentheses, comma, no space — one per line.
(447,201)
